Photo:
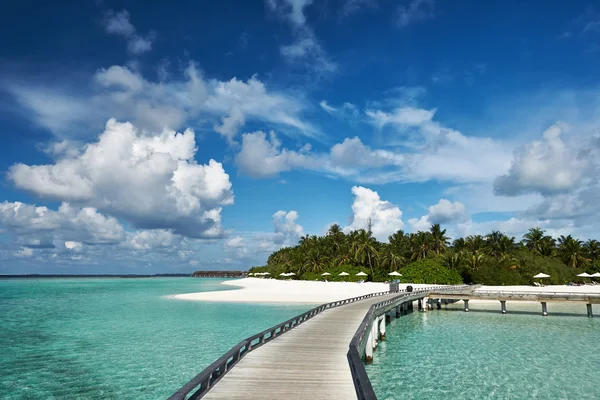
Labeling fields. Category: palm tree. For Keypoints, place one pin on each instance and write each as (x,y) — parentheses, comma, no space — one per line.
(420,244)
(571,252)
(533,238)
(315,261)
(592,249)
(439,240)
(364,248)
(546,247)
(390,259)
(458,244)
(336,236)
(475,260)
(474,244)
(452,260)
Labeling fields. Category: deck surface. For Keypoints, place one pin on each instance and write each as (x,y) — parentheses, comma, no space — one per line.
(308,362)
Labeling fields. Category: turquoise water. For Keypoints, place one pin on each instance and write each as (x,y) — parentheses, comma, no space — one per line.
(486,355)
(116,338)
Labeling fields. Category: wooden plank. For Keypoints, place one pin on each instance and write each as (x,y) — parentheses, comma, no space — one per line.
(308,362)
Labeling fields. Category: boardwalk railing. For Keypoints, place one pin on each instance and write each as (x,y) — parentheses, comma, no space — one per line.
(362,383)
(202,382)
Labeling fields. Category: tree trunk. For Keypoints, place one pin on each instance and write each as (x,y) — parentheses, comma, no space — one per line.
(370,265)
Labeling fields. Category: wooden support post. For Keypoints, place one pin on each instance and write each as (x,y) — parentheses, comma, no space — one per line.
(382,328)
(369,348)
(544,309)
(398,312)
(419,304)
(439,304)
(388,317)
(590,312)
(503,306)
(425,305)
(466,305)
(375,332)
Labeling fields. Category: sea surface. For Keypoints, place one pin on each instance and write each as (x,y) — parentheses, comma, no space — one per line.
(482,354)
(111,338)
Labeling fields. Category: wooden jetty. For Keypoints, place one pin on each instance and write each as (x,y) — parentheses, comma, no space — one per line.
(316,355)
(543,297)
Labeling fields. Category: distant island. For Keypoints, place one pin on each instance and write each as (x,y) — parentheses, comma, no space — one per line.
(93,276)
(220,274)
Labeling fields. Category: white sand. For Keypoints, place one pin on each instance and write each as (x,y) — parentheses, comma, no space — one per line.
(256,290)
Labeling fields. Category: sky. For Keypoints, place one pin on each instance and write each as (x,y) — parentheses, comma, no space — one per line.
(143,137)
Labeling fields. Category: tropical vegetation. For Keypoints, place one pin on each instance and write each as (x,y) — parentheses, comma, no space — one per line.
(430,257)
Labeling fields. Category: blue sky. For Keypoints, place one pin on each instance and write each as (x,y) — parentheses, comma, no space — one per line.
(141,137)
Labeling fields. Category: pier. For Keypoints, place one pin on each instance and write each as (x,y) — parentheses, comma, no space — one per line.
(316,355)
(542,297)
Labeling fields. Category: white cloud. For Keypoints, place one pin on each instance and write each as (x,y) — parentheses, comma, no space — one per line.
(291,10)
(547,166)
(236,241)
(118,23)
(152,239)
(384,216)
(350,7)
(24,252)
(72,245)
(327,107)
(287,230)
(446,211)
(403,116)
(352,153)
(415,11)
(41,227)
(124,94)
(262,157)
(151,181)
(306,50)
(420,224)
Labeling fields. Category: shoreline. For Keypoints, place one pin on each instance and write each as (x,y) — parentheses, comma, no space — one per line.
(257,290)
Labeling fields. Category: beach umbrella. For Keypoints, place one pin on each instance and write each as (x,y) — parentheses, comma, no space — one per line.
(596,275)
(585,275)
(361,274)
(325,274)
(250,273)
(541,275)
(283,274)
(266,273)
(343,274)
(395,273)
(291,274)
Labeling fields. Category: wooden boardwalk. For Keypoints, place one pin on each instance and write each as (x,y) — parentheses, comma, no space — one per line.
(308,362)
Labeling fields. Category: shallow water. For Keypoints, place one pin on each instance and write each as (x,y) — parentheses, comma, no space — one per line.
(116,338)
(450,354)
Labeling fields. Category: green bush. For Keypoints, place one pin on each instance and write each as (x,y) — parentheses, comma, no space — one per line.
(429,271)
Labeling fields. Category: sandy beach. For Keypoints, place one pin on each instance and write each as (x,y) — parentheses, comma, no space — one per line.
(256,290)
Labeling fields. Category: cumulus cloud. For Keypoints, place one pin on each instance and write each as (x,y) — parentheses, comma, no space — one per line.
(547,166)
(290,10)
(153,182)
(385,217)
(446,211)
(41,227)
(352,153)
(118,23)
(287,229)
(261,156)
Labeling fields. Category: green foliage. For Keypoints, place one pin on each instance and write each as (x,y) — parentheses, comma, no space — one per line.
(429,271)
(493,259)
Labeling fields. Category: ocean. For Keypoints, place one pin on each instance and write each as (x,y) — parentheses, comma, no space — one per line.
(112,338)
(482,354)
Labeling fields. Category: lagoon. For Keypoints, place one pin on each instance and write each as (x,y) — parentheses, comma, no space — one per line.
(111,338)
(450,354)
